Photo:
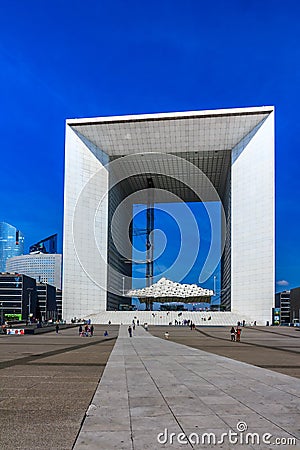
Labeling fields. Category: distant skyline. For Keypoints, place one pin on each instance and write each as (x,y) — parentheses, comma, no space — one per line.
(68,59)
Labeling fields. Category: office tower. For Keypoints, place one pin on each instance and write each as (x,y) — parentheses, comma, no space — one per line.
(11,243)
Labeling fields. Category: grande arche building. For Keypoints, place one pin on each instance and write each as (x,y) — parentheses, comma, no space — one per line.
(108,160)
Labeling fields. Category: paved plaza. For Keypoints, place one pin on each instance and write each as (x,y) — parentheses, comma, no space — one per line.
(154,392)
(150,387)
(274,348)
(46,384)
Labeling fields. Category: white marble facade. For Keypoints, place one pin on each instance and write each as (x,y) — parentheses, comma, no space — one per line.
(235,145)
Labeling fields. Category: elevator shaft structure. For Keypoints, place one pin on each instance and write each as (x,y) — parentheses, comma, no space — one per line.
(149,238)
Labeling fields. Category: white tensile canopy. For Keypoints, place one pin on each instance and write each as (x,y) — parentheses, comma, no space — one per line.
(166,291)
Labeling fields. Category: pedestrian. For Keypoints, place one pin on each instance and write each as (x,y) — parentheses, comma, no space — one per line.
(166,335)
(130,331)
(56,328)
(238,334)
(105,333)
(138,322)
(80,330)
(232,334)
(92,330)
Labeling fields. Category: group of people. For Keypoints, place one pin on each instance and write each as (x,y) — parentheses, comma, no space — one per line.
(132,327)
(87,331)
(235,334)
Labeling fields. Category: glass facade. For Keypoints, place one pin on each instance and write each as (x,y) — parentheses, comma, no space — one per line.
(11,243)
(44,267)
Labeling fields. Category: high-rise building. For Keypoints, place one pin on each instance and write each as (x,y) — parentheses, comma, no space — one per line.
(47,245)
(282,301)
(44,267)
(222,156)
(59,303)
(18,299)
(295,305)
(46,295)
(11,243)
(22,298)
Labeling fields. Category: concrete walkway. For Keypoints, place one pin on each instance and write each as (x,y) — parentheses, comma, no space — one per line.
(152,386)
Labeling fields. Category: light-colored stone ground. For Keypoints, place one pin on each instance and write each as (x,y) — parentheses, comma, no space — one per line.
(47,383)
(152,385)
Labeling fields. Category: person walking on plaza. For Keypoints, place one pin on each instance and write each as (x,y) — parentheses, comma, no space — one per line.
(92,330)
(130,331)
(238,334)
(80,330)
(232,334)
(56,328)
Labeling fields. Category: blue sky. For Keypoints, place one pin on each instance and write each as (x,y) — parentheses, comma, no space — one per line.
(171,230)
(174,227)
(65,59)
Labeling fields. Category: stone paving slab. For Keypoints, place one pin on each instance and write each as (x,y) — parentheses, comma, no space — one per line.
(153,387)
(44,396)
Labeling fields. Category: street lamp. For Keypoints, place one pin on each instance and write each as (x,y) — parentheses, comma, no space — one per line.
(29,290)
(215,279)
(1,304)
